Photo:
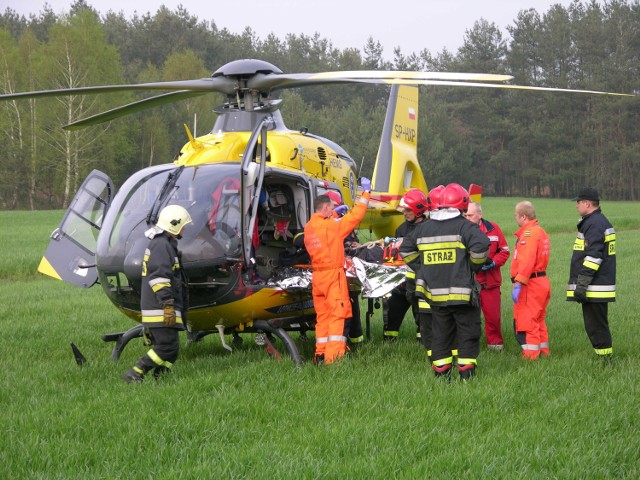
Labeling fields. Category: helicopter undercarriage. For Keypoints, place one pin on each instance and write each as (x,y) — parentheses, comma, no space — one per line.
(267,329)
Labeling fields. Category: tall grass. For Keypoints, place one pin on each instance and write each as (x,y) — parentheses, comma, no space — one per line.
(378,414)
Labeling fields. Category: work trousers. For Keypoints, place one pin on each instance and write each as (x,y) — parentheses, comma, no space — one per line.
(353,325)
(490,304)
(425,327)
(333,306)
(529,318)
(596,324)
(455,326)
(394,309)
(165,347)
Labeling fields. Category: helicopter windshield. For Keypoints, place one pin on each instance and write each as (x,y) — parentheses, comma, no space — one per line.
(210,193)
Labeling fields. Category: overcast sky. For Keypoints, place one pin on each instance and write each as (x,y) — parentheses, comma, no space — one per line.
(412,25)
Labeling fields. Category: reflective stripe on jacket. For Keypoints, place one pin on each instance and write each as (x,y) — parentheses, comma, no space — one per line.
(444,255)
(594,255)
(162,279)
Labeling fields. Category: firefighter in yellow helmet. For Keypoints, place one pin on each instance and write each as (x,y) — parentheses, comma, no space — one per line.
(163,294)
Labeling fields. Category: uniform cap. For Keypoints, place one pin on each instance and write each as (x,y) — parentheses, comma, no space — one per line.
(587,193)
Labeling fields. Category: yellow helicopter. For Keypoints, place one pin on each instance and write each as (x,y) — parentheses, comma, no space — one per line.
(249,186)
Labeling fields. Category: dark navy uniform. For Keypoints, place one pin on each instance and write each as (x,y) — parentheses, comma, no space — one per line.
(163,283)
(594,264)
(395,306)
(445,254)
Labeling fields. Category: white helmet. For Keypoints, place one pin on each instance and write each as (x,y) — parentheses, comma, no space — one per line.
(173,218)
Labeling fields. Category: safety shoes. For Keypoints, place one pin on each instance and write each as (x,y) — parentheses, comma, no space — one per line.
(131,376)
(467,372)
(605,360)
(159,371)
(318,360)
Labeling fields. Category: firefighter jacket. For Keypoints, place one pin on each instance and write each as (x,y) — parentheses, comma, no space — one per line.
(404,230)
(531,255)
(594,256)
(163,279)
(498,252)
(324,237)
(444,252)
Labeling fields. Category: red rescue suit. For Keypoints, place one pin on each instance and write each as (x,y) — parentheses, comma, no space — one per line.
(529,268)
(324,241)
(490,281)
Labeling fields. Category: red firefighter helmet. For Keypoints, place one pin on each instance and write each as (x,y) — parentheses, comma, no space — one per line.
(334,196)
(454,196)
(415,200)
(433,200)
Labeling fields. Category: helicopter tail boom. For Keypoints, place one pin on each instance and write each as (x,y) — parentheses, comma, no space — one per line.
(397,168)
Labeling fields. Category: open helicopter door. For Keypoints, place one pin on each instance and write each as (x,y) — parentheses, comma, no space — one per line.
(70,256)
(253,167)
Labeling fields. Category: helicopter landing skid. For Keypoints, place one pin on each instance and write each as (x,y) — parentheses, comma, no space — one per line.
(282,335)
(122,339)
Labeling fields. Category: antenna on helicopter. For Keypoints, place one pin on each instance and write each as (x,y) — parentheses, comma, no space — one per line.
(361,164)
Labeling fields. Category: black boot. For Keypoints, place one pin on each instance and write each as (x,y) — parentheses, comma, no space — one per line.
(443,372)
(467,372)
(159,371)
(318,360)
(133,376)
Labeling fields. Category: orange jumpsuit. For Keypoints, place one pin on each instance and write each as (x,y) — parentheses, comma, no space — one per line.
(529,266)
(324,241)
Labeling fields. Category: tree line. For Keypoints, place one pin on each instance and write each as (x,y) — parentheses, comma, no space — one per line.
(513,143)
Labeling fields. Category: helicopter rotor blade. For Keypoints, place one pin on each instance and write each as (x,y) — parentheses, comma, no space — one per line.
(181,95)
(218,84)
(516,87)
(228,84)
(133,107)
(262,81)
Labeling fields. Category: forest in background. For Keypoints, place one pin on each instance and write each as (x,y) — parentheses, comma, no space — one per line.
(513,143)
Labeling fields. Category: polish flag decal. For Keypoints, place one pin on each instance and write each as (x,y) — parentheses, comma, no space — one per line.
(412,114)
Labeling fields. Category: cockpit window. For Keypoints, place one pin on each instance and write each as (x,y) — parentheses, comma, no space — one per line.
(211,195)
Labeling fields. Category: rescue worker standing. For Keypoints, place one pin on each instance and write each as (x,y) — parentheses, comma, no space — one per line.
(592,278)
(531,288)
(445,252)
(490,278)
(353,325)
(163,294)
(324,237)
(401,298)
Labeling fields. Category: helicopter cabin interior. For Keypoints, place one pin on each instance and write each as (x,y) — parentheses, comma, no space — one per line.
(282,213)
(285,207)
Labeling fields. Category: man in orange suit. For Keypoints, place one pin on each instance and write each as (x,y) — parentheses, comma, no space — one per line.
(324,236)
(531,289)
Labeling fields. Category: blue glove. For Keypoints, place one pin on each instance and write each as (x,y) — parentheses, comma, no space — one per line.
(488,266)
(515,293)
(365,183)
(341,210)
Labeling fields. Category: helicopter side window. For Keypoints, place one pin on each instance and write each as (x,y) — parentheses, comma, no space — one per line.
(215,209)
(225,211)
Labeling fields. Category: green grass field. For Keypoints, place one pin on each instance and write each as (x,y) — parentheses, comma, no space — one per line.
(378,414)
